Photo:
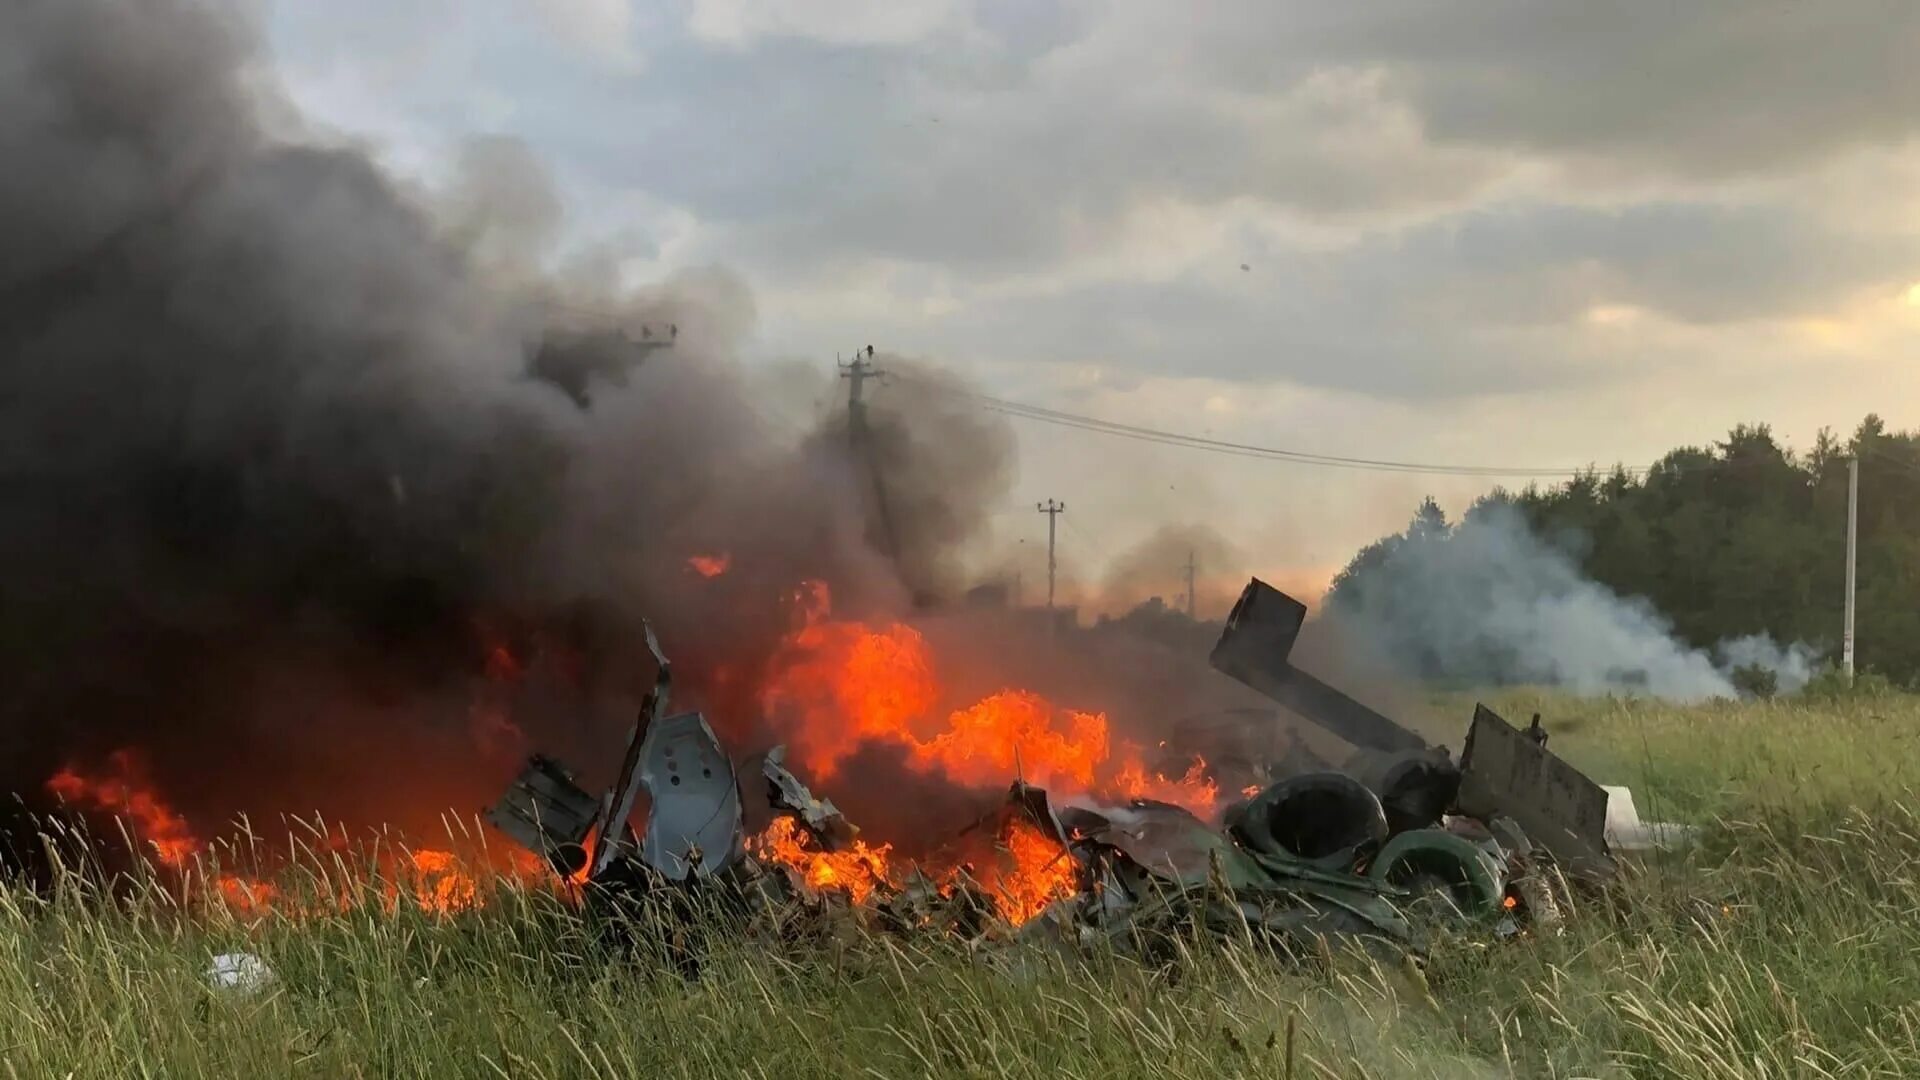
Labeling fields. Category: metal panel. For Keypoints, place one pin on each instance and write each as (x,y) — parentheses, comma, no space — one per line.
(1253,649)
(611,841)
(1505,772)
(695,819)
(544,809)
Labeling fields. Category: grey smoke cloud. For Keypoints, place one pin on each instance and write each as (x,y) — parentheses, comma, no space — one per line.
(1491,603)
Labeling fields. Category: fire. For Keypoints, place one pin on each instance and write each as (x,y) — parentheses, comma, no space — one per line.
(856,872)
(490,711)
(245,895)
(1037,871)
(440,884)
(436,881)
(709,566)
(1012,733)
(1032,870)
(1192,790)
(124,791)
(840,685)
(849,686)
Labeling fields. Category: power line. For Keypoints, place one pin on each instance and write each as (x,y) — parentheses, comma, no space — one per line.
(1221,446)
(1298,457)
(1302,457)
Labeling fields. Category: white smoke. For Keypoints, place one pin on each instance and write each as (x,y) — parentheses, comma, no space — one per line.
(1793,665)
(1488,602)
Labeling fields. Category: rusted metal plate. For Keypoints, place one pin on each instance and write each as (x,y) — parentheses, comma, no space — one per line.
(1504,772)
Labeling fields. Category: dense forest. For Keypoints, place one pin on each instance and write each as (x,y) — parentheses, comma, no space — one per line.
(1744,537)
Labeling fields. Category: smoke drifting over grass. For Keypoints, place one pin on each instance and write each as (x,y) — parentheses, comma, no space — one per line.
(1487,602)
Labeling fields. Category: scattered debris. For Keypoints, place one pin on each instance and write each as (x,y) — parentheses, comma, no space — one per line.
(786,793)
(242,973)
(1505,773)
(1625,831)
(1373,852)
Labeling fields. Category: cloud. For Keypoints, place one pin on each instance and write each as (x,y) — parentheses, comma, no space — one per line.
(600,28)
(1693,261)
(1004,138)
(1513,208)
(1705,89)
(737,23)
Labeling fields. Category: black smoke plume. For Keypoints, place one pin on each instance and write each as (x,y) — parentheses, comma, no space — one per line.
(280,502)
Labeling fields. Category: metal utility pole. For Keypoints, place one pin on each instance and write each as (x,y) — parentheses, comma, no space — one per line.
(1191,568)
(1053,510)
(1853,534)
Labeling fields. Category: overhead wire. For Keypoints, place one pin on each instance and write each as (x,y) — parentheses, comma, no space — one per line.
(1139,433)
(1236,449)
(1157,436)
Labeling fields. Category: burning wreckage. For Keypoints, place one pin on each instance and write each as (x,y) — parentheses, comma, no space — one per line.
(1370,852)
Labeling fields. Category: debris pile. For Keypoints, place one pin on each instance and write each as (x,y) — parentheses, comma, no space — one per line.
(1374,851)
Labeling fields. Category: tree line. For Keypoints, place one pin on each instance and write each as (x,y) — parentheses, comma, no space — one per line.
(1745,536)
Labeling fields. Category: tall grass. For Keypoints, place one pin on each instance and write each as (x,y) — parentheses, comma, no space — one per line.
(1786,946)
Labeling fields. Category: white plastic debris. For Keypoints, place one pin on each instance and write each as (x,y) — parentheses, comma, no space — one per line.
(243,972)
(1626,832)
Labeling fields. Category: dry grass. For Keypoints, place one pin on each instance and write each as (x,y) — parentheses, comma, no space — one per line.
(1788,946)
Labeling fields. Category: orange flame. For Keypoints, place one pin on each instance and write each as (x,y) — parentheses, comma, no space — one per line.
(849,686)
(1192,790)
(856,872)
(440,884)
(839,685)
(435,880)
(246,895)
(1035,871)
(709,566)
(125,791)
(1012,733)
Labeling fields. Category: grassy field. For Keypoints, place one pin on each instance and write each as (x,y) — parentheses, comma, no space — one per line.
(1788,945)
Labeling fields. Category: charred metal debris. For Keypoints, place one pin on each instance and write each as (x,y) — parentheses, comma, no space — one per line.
(1377,851)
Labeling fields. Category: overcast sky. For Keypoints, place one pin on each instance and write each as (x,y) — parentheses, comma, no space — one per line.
(1533,233)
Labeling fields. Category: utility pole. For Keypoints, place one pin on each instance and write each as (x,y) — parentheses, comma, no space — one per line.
(859,437)
(1853,534)
(857,373)
(1053,510)
(1191,568)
